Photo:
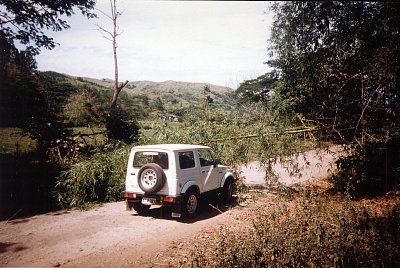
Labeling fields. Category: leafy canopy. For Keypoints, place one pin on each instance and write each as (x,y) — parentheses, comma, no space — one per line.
(26,20)
(258,89)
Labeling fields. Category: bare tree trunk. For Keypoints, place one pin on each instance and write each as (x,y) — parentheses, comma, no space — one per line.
(114,14)
(112,36)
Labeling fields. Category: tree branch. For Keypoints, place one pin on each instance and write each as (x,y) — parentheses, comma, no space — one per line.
(363,110)
(105,14)
(122,85)
(296,131)
(104,31)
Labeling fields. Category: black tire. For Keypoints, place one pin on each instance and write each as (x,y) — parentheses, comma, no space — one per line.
(151,178)
(190,204)
(227,191)
(140,208)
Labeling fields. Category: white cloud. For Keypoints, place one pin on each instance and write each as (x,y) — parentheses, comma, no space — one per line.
(215,42)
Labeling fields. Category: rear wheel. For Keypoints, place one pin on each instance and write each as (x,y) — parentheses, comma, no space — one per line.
(190,204)
(140,208)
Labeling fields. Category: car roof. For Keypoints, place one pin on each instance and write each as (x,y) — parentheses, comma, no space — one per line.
(170,147)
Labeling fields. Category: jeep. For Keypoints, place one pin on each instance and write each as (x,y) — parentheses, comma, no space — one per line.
(175,175)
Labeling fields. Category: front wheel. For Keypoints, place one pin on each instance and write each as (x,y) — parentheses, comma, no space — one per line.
(190,204)
(227,191)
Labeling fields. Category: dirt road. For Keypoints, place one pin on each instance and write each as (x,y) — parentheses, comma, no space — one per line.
(105,236)
(110,236)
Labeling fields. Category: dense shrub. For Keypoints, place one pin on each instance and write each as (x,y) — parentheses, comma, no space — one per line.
(99,178)
(372,170)
(120,129)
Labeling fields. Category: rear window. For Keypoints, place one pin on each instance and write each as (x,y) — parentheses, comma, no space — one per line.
(142,158)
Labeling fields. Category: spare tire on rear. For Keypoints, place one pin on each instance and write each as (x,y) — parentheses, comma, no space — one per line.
(151,178)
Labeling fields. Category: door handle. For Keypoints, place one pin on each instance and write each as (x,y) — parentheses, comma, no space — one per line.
(203,171)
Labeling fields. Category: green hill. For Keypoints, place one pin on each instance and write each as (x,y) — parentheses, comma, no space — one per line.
(174,94)
(140,99)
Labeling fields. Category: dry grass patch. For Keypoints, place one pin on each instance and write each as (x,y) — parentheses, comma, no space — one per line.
(305,228)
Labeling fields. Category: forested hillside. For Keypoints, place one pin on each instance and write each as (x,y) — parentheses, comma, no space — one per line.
(175,94)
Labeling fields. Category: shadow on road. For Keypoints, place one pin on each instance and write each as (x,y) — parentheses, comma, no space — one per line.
(208,209)
(15,247)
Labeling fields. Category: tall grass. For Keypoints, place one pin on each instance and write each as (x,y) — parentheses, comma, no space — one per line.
(99,178)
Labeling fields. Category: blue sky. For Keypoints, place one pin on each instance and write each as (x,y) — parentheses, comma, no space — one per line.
(221,43)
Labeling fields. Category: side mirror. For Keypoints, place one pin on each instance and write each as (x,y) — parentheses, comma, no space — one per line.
(217,162)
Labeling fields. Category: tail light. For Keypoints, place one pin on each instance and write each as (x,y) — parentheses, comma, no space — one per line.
(168,199)
(129,195)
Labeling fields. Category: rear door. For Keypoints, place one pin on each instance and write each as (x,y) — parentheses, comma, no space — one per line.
(142,157)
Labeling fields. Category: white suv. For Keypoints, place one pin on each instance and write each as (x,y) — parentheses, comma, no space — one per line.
(175,175)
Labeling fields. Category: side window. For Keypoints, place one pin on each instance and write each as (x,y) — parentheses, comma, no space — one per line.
(186,160)
(205,158)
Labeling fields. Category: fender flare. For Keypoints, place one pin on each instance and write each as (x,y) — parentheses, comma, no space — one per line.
(227,175)
(188,185)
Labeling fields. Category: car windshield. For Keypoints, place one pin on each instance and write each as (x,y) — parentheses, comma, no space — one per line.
(145,157)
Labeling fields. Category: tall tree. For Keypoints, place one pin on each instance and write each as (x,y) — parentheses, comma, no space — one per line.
(339,62)
(112,35)
(118,125)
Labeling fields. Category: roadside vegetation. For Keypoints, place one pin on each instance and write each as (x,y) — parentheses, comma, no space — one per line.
(308,228)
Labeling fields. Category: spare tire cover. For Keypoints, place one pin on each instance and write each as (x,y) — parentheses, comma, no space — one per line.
(151,178)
